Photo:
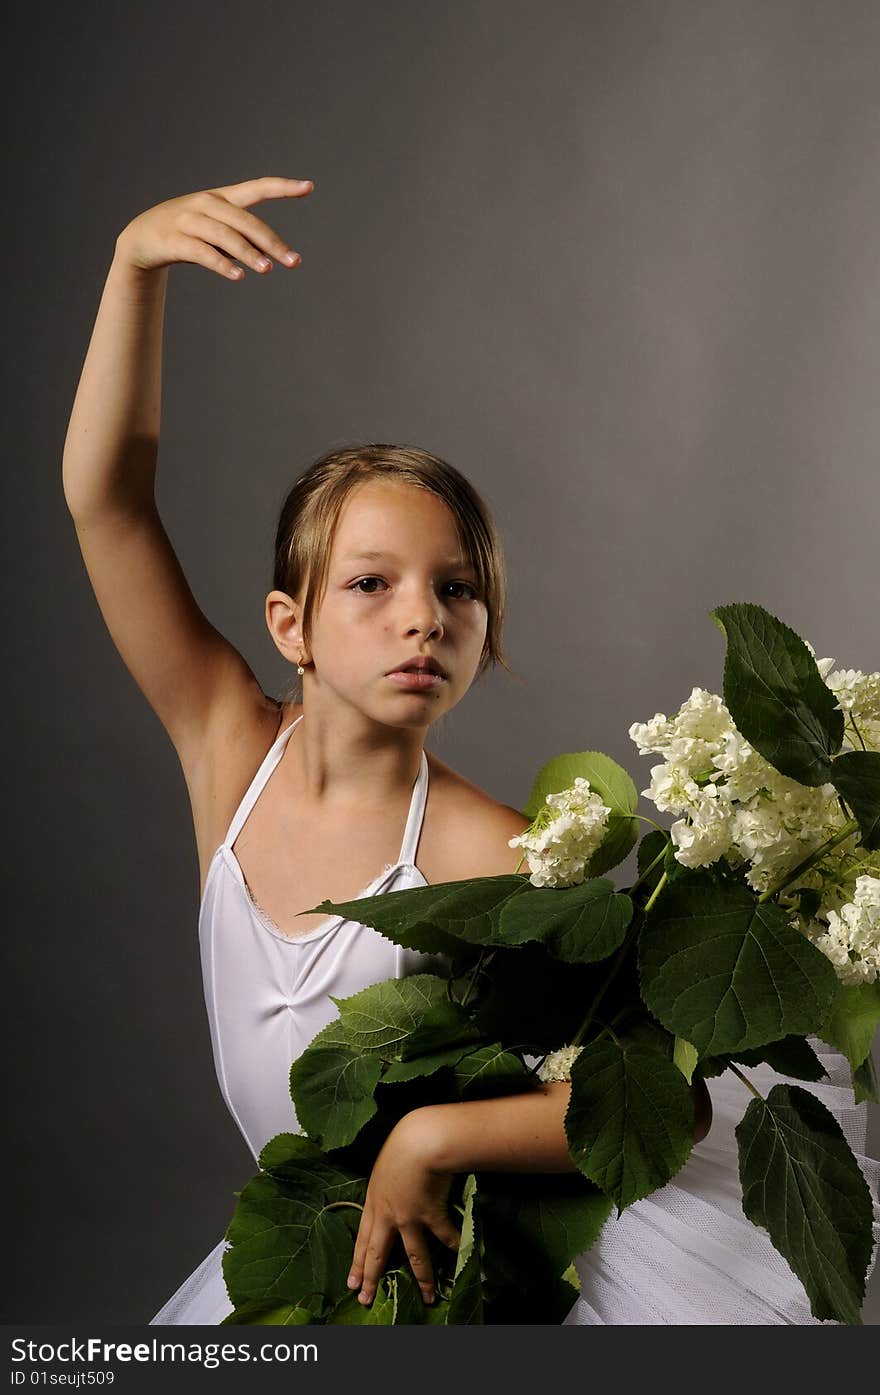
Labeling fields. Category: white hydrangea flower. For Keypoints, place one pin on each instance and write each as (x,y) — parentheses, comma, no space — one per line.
(851,939)
(557,1066)
(733,802)
(562,839)
(858,697)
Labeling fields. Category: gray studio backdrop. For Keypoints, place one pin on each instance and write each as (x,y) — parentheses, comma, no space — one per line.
(618,262)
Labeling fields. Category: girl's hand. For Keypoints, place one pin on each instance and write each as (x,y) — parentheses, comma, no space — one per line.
(212,227)
(404,1195)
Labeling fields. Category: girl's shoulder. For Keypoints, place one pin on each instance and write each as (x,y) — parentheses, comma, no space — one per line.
(466,831)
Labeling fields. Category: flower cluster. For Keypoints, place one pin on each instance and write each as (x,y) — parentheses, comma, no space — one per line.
(557,1066)
(562,839)
(852,939)
(732,803)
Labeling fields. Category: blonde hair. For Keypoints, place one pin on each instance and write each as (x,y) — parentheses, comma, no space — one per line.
(310,514)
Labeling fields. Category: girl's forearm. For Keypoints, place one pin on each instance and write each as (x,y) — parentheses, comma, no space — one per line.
(112,439)
(513,1133)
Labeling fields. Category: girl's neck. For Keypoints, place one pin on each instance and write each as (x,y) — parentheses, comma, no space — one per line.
(345,760)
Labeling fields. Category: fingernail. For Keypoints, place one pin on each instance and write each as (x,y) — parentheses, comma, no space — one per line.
(290,258)
(352,1281)
(363,1297)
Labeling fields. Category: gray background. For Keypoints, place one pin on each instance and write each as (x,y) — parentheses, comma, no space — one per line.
(618,262)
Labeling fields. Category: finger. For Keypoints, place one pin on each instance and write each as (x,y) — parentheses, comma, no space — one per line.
(269,187)
(419,1260)
(375,1259)
(192,249)
(362,1240)
(225,239)
(446,1231)
(252,228)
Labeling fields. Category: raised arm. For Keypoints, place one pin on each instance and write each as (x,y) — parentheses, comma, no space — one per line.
(184,667)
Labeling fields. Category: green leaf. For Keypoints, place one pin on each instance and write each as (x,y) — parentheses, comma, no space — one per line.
(864,1083)
(801,1183)
(580,924)
(434,919)
(490,1070)
(856,776)
(444,1025)
(614,787)
(775,694)
(261,1314)
(380,1018)
(630,1119)
(421,1066)
(285,1149)
(791,1056)
(728,973)
(332,1089)
(853,1020)
(286,1244)
(685,1057)
(350,1312)
(466,1299)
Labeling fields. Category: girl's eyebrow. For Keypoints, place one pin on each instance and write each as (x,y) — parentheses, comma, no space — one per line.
(371,556)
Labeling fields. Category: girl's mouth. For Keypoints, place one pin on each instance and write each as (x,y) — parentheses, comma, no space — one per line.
(415,679)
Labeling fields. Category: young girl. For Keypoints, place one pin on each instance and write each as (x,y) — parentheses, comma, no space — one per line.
(389,599)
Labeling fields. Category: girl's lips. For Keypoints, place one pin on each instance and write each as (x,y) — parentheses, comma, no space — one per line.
(411,678)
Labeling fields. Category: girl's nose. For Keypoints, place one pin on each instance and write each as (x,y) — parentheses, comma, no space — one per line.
(424,617)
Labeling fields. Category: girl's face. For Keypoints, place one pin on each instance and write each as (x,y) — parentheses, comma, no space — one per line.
(398,589)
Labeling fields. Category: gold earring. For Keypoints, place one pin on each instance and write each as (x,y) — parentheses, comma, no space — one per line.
(299,668)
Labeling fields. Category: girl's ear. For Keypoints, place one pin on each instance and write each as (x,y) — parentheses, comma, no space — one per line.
(284,622)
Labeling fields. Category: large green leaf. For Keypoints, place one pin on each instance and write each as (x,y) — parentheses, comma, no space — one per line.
(801,1182)
(728,973)
(580,924)
(287,1244)
(490,1070)
(332,1089)
(630,1119)
(380,1018)
(614,787)
(856,776)
(434,919)
(420,1066)
(444,1025)
(775,694)
(853,1020)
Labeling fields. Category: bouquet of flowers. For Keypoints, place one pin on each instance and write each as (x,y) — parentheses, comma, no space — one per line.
(752,925)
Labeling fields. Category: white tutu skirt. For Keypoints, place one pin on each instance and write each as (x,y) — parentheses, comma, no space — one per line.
(685,1255)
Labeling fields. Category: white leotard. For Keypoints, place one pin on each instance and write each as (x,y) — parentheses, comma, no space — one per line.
(267,993)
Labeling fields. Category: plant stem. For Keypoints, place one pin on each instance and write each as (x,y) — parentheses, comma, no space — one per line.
(656,892)
(334,1205)
(648,870)
(748,1084)
(477,967)
(851,827)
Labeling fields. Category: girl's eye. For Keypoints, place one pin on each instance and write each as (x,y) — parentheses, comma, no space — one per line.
(364,582)
(467,587)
